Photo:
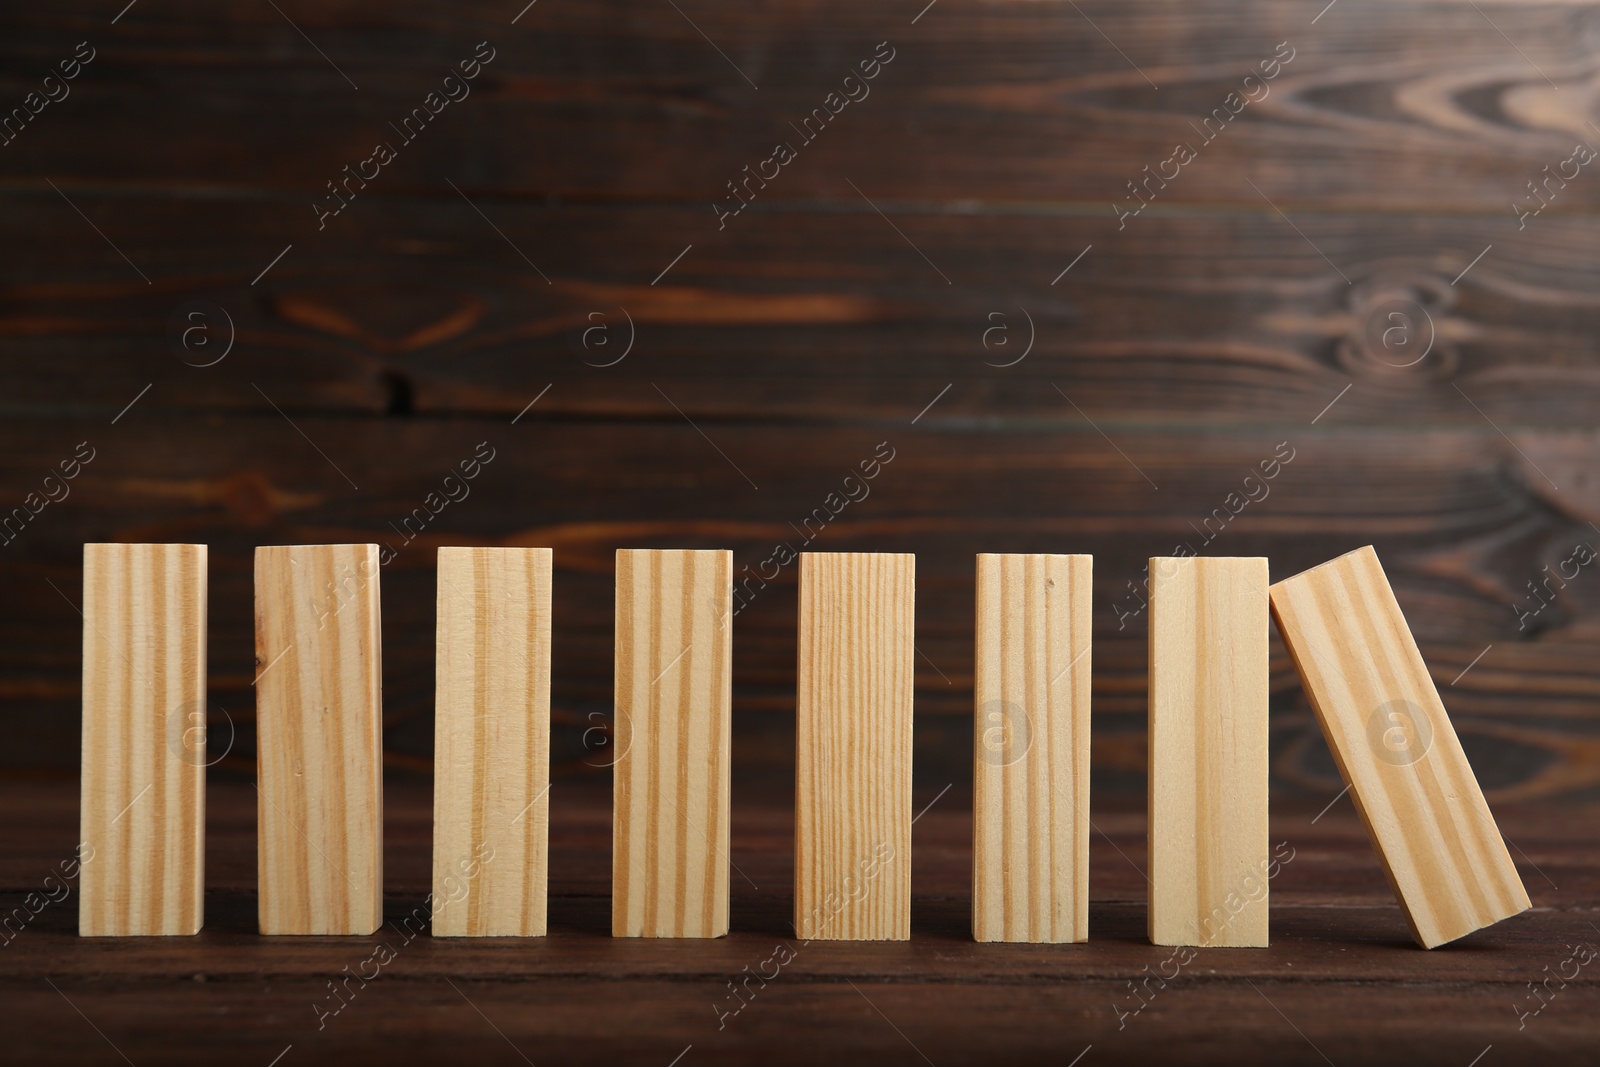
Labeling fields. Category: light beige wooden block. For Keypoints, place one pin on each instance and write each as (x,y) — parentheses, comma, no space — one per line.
(852,842)
(144,739)
(319,739)
(491,751)
(674,699)
(1396,749)
(1030,770)
(1209,860)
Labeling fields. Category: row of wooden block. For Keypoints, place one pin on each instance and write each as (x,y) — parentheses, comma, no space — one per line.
(318,696)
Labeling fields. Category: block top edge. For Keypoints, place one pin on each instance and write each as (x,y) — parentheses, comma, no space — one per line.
(846,555)
(1364,552)
(493,548)
(680,551)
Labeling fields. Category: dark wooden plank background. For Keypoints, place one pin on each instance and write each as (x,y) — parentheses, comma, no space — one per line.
(879,294)
(1180,351)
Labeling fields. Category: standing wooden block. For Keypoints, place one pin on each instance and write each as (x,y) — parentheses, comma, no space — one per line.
(1208,751)
(319,739)
(674,700)
(144,748)
(1030,771)
(1396,749)
(491,751)
(852,842)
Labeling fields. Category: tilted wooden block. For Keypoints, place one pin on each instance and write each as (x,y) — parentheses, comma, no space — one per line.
(1030,839)
(491,750)
(144,739)
(852,842)
(674,699)
(319,739)
(1395,747)
(1209,674)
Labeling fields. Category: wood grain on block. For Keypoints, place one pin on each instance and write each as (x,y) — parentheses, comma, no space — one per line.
(318,736)
(1030,831)
(1396,750)
(674,699)
(852,842)
(1209,862)
(144,740)
(491,762)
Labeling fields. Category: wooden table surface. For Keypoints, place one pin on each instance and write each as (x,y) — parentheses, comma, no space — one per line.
(1342,982)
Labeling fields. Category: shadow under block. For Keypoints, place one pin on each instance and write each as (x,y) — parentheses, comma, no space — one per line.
(1209,676)
(1030,769)
(318,739)
(142,857)
(491,750)
(674,700)
(1396,749)
(852,872)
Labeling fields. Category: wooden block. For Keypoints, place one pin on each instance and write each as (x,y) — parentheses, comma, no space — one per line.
(1208,751)
(144,748)
(674,700)
(1396,749)
(852,842)
(319,739)
(1030,771)
(491,751)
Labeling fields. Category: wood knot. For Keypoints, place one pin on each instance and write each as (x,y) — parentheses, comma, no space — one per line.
(1399,326)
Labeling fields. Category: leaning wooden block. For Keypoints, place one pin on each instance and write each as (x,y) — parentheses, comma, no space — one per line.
(491,750)
(674,699)
(318,739)
(1030,840)
(144,739)
(852,843)
(1208,751)
(1396,749)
